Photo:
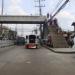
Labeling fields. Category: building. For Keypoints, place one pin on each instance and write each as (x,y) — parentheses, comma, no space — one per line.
(6,33)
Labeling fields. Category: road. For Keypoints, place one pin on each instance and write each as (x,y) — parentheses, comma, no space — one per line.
(20,61)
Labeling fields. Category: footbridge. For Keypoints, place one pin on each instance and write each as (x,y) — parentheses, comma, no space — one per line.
(9,19)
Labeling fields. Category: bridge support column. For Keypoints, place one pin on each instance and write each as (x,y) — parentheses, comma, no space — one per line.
(45,30)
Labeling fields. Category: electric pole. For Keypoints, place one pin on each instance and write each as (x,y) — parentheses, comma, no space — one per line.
(22,31)
(16,28)
(40,13)
(2,10)
(40,6)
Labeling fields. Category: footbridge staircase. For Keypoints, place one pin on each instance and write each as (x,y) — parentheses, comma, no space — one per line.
(58,40)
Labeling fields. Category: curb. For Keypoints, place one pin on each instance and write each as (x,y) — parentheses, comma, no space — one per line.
(71,52)
(6,46)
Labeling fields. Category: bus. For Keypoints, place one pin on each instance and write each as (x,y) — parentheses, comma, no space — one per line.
(32,41)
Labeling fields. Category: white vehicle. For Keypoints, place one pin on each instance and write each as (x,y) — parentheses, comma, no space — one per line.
(32,41)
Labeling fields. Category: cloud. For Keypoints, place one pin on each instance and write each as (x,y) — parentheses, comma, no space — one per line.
(14,8)
(65,20)
(16,1)
(65,14)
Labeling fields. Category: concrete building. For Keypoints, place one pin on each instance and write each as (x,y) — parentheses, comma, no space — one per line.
(6,33)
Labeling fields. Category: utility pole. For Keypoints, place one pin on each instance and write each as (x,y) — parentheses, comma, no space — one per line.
(22,31)
(2,10)
(2,7)
(16,28)
(40,6)
(40,13)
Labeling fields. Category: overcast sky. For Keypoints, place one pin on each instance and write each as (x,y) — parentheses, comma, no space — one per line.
(27,7)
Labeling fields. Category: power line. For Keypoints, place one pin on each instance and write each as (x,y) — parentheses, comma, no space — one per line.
(57,5)
(61,7)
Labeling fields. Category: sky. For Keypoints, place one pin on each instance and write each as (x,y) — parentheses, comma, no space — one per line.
(27,7)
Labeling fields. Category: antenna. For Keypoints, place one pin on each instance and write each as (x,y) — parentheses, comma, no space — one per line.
(40,6)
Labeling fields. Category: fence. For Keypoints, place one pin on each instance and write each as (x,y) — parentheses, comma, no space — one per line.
(5,43)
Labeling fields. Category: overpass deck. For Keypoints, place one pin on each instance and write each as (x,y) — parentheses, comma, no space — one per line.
(11,19)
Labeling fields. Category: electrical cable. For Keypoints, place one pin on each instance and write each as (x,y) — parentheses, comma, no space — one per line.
(58,4)
(61,7)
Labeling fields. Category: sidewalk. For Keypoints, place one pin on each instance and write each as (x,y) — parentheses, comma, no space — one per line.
(65,50)
(61,50)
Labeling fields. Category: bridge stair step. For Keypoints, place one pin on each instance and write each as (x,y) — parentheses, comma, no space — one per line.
(57,39)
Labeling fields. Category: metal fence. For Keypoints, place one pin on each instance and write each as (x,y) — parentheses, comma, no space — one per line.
(5,43)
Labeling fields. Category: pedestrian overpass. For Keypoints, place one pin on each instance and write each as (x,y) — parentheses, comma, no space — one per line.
(9,19)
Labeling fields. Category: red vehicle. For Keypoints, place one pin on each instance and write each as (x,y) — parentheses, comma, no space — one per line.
(32,41)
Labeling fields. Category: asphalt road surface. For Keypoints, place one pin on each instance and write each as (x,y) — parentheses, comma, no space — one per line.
(20,61)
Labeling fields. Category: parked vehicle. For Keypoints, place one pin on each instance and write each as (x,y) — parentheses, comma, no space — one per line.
(20,41)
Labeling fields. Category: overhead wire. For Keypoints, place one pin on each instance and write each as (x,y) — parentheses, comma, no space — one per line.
(59,9)
(57,5)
